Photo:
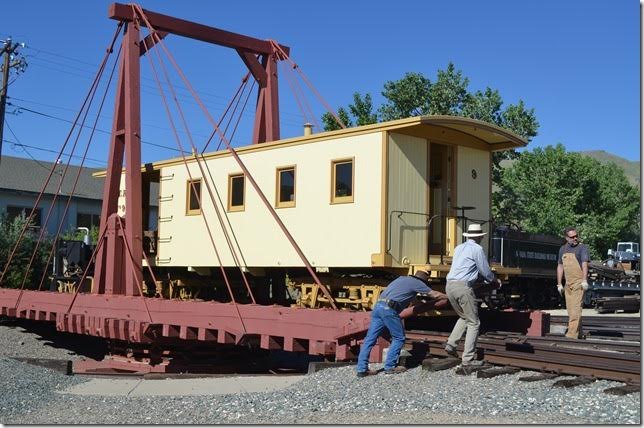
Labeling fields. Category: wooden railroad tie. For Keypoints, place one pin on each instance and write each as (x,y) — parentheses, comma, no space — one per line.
(468,370)
(437,364)
(496,371)
(538,377)
(570,383)
(623,389)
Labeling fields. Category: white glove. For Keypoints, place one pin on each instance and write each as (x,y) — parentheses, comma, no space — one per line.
(584,285)
(560,289)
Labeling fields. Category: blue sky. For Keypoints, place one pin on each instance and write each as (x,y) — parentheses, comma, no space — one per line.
(577,63)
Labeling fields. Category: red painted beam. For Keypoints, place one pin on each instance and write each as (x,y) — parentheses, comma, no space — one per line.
(169,24)
(120,317)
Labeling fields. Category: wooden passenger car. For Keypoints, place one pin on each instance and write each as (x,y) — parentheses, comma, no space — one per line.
(358,199)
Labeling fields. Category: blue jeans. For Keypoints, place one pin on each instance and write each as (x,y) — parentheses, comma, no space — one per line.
(382,317)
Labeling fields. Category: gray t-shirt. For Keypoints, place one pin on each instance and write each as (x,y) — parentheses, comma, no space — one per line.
(403,289)
(580,250)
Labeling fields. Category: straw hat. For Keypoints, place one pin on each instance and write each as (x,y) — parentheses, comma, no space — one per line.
(474,230)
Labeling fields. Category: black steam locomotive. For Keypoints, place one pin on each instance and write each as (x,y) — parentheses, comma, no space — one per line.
(536,287)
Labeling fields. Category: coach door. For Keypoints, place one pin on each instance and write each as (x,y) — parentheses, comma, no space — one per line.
(441,176)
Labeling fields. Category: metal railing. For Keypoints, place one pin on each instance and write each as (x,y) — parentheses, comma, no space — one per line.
(429,220)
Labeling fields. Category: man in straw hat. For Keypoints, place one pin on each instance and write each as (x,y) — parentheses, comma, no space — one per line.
(386,315)
(468,263)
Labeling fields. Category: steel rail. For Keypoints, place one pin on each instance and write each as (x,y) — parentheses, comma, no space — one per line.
(622,322)
(561,341)
(601,359)
(627,328)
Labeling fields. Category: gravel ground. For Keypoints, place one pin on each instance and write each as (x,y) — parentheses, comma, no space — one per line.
(30,395)
(31,339)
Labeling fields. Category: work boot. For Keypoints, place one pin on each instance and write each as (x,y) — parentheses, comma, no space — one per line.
(396,370)
(451,351)
(367,373)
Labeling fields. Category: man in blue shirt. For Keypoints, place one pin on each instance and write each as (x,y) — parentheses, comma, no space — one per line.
(386,315)
(468,263)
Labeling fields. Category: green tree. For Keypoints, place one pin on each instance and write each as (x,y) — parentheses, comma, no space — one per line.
(331,124)
(406,97)
(485,106)
(548,189)
(415,95)
(361,111)
(79,235)
(449,94)
(10,230)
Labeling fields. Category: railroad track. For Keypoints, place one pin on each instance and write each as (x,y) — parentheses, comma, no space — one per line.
(626,328)
(589,359)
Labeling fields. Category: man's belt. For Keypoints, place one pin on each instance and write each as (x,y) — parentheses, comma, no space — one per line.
(391,303)
(468,283)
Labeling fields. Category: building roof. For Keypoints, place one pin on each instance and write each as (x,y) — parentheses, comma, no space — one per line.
(28,175)
(452,129)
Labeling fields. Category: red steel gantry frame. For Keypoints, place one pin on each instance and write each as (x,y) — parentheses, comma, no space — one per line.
(117,271)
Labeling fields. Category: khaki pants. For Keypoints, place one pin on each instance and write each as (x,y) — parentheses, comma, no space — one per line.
(461,297)
(574,293)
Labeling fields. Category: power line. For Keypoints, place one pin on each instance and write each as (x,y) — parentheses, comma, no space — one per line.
(38,51)
(14,143)
(23,148)
(154,92)
(86,126)
(91,115)
(150,90)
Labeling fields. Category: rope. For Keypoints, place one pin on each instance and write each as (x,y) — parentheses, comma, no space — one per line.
(292,85)
(54,200)
(53,203)
(282,55)
(60,225)
(240,114)
(178,140)
(199,164)
(241,86)
(99,244)
(42,191)
(230,119)
(241,164)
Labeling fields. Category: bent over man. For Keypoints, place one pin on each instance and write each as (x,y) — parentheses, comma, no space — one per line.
(573,263)
(468,262)
(386,315)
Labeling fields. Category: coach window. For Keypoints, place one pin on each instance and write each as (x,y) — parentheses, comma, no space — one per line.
(236,192)
(285,187)
(342,179)
(193,202)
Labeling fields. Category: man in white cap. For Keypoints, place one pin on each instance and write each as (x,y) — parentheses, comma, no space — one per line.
(468,263)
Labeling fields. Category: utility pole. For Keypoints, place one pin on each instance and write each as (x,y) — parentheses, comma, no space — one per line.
(10,52)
